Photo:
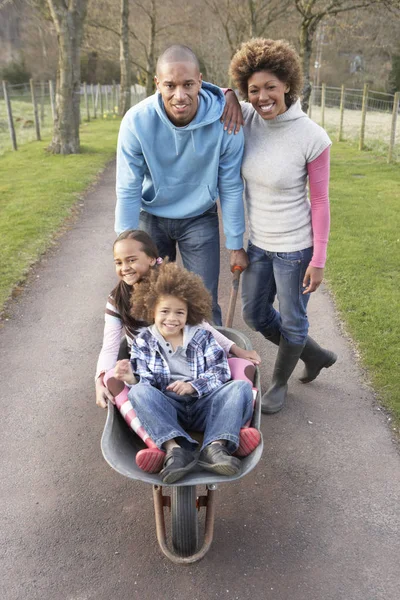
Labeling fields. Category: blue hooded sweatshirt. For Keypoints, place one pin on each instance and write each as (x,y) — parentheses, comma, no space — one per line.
(179,172)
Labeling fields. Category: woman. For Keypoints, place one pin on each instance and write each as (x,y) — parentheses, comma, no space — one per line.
(288,233)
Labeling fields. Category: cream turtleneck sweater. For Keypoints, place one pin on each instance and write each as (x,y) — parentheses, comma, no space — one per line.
(274,169)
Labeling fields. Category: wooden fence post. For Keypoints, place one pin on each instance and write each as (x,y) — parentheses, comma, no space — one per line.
(51,92)
(107,100)
(85,94)
(42,95)
(363,115)
(93,101)
(113,97)
(342,98)
(35,110)
(396,102)
(311,100)
(10,117)
(323,96)
(101,100)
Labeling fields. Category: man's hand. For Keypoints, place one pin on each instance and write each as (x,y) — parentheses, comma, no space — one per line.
(103,395)
(312,279)
(182,388)
(123,371)
(232,117)
(239,258)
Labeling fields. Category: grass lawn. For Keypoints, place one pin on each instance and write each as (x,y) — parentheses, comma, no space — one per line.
(363,269)
(37,191)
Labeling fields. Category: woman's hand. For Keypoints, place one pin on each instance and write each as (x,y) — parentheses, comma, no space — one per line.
(312,279)
(123,371)
(247,354)
(182,388)
(232,117)
(103,395)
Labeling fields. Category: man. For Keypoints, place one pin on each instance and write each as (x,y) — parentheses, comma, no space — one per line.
(174,159)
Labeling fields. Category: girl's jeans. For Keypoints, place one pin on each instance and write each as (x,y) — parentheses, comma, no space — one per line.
(280,274)
(219,414)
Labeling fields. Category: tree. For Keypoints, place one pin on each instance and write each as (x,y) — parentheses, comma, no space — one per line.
(243,20)
(312,13)
(125,91)
(68,17)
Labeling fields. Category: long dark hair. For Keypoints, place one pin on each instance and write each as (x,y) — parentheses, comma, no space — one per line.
(122,291)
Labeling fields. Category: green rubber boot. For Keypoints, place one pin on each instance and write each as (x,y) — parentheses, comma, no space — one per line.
(286,360)
(315,357)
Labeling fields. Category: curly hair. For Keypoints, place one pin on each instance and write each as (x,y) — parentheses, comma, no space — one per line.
(171,280)
(276,56)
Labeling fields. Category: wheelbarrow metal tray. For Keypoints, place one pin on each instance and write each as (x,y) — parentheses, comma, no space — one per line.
(119,444)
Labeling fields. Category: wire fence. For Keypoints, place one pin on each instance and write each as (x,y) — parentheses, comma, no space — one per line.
(340,111)
(32,108)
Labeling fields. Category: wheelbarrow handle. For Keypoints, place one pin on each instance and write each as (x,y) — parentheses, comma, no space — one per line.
(236,270)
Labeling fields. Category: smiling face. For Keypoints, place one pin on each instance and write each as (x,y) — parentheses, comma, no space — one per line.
(131,263)
(179,84)
(267,94)
(170,316)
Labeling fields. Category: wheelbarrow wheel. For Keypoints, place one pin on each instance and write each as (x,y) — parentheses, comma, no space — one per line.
(184,520)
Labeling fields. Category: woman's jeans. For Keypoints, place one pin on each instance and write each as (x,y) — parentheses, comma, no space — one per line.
(219,414)
(198,243)
(280,274)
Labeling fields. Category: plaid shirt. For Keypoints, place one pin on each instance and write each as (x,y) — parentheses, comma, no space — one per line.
(208,363)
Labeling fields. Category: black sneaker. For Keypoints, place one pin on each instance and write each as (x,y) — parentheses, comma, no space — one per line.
(217,459)
(177,463)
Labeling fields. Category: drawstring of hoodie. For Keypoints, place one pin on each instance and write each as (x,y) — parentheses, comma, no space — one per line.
(176,142)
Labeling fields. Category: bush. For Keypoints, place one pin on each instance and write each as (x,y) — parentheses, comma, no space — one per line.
(15,72)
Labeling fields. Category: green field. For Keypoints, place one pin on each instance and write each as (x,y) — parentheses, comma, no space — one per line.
(37,191)
(364,262)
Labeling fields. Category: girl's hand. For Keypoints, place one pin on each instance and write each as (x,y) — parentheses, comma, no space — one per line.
(123,371)
(247,354)
(232,117)
(312,279)
(182,388)
(103,395)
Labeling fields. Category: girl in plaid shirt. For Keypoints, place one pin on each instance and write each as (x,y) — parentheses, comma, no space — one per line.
(181,378)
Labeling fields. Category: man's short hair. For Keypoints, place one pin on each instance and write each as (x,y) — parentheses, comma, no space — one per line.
(177,53)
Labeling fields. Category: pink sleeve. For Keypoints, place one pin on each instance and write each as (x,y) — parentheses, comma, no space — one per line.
(111,343)
(223,341)
(318,179)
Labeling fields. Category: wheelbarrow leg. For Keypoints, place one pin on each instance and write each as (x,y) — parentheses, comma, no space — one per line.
(161,501)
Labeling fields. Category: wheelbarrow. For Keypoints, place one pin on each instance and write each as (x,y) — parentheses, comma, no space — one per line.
(119,445)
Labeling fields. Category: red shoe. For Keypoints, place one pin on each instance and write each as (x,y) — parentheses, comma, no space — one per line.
(249,438)
(150,460)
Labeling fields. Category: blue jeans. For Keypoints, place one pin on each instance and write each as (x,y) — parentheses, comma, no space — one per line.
(219,414)
(281,274)
(198,243)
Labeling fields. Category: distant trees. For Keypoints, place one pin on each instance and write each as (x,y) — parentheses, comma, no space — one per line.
(312,12)
(121,40)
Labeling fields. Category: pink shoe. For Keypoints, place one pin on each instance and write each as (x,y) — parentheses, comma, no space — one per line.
(249,438)
(150,460)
